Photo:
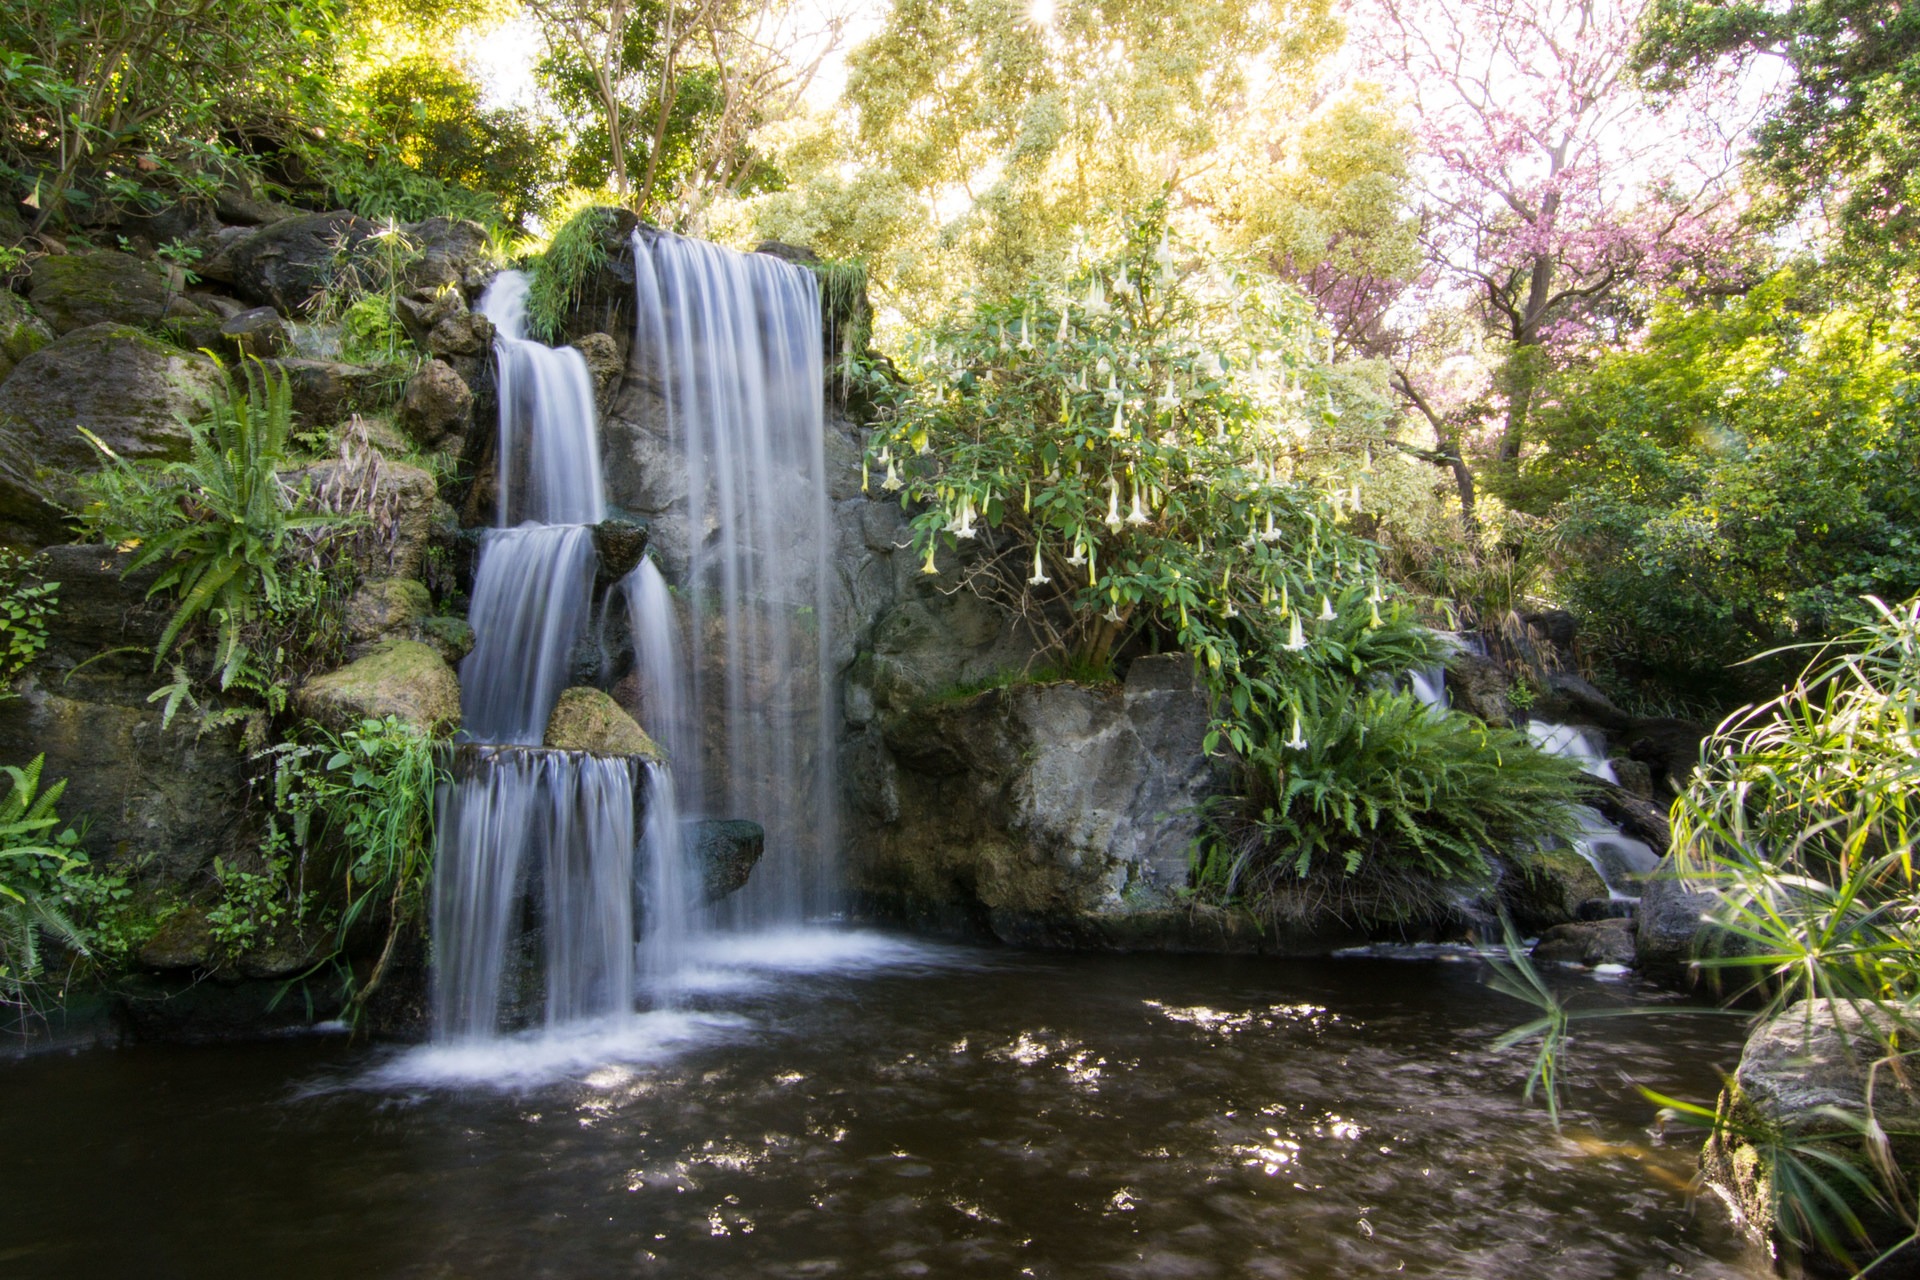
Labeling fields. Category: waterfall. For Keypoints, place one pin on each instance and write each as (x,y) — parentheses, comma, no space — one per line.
(548,459)
(553,826)
(532,591)
(731,342)
(1621,860)
(532,839)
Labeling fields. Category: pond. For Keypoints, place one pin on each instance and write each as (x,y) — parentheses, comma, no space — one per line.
(855,1104)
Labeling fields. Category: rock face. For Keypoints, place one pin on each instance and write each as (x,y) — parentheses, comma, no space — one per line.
(1588,942)
(1672,932)
(72,291)
(587,719)
(402,678)
(21,331)
(1548,887)
(1810,1061)
(1052,814)
(391,607)
(256,333)
(163,799)
(288,263)
(726,851)
(437,404)
(133,391)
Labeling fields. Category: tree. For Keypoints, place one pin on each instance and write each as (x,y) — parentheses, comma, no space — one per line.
(1549,185)
(993,133)
(1844,136)
(677,88)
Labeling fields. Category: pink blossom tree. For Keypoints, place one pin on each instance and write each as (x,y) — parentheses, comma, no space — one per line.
(1548,185)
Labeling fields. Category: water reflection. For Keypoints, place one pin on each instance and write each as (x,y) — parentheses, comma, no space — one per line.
(887,1109)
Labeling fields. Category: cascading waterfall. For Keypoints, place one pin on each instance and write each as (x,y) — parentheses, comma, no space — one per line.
(731,342)
(521,824)
(1621,860)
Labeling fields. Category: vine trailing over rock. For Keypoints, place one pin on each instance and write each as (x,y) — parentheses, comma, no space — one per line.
(1159,453)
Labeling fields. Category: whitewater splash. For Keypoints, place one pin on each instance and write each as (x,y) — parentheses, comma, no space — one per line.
(1622,861)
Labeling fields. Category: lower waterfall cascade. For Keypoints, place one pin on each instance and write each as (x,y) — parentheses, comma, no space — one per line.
(564,890)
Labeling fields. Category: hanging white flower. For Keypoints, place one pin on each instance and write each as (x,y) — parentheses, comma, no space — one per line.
(1119,428)
(1169,400)
(1039,577)
(1066,311)
(1269,533)
(1296,635)
(928,567)
(1137,516)
(1326,608)
(1298,742)
(892,483)
(1113,504)
(1079,556)
(1096,303)
(1113,393)
(1026,341)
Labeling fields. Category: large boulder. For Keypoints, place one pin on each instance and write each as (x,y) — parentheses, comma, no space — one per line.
(1815,1075)
(437,405)
(325,391)
(256,333)
(290,262)
(22,331)
(72,291)
(1546,887)
(1588,942)
(725,850)
(588,719)
(401,499)
(459,247)
(131,390)
(1048,814)
(402,678)
(1479,686)
(1674,929)
(387,608)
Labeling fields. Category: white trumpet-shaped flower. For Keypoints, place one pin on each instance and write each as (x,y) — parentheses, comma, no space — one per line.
(1113,504)
(1269,533)
(1163,254)
(928,567)
(1003,336)
(886,455)
(1096,303)
(864,469)
(1039,570)
(1066,312)
(1168,400)
(1298,742)
(1353,501)
(1296,635)
(1026,339)
(1136,516)
(1113,393)
(961,526)
(1119,427)
(1326,609)
(1373,614)
(1079,556)
(892,482)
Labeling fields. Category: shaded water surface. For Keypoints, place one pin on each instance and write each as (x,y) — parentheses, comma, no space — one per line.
(862,1106)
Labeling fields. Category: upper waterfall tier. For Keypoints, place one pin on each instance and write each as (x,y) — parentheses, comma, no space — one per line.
(548,464)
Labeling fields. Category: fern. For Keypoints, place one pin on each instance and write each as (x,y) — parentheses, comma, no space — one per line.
(35,860)
(560,275)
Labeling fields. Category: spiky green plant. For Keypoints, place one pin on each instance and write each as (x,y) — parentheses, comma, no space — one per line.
(35,857)
(560,274)
(217,524)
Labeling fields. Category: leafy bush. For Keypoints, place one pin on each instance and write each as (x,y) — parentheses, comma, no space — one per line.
(357,809)
(1735,483)
(222,526)
(1157,453)
(26,607)
(37,859)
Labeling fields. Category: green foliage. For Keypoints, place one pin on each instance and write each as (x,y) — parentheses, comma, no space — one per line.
(359,807)
(256,908)
(26,608)
(222,527)
(103,103)
(1155,453)
(1735,482)
(37,860)
(560,275)
(419,143)
(1803,814)
(1382,777)
(1845,134)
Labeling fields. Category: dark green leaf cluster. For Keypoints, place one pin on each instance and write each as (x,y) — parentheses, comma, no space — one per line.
(561,274)
(37,858)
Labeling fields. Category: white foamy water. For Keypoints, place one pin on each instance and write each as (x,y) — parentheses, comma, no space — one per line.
(533,1059)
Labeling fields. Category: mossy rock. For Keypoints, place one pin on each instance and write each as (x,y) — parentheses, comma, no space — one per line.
(401,678)
(131,390)
(726,851)
(588,719)
(451,636)
(72,291)
(1545,887)
(391,607)
(22,332)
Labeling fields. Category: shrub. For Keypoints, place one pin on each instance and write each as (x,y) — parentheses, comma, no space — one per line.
(37,859)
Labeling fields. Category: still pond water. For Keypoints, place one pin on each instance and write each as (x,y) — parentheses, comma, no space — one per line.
(857,1105)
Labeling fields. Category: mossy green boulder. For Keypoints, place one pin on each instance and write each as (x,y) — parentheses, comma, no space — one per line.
(22,332)
(401,678)
(587,719)
(72,291)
